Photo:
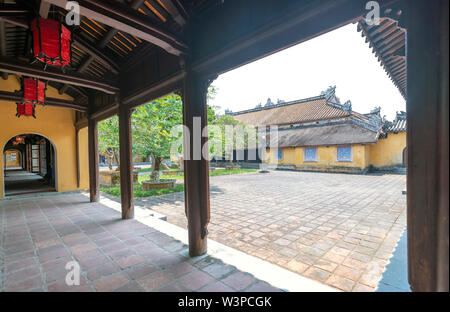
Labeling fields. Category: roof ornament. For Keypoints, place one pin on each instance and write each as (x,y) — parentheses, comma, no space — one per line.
(376,110)
(329,93)
(347,106)
(401,115)
(228,112)
(269,102)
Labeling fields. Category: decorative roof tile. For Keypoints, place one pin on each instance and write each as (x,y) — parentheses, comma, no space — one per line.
(398,125)
(336,133)
(294,112)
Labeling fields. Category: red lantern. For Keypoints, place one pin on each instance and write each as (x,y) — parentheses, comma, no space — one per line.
(33,91)
(25,109)
(33,94)
(19,140)
(51,42)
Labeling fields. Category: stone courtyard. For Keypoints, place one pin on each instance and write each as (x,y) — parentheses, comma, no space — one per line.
(338,229)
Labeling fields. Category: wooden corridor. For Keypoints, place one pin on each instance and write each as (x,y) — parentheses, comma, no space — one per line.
(130,52)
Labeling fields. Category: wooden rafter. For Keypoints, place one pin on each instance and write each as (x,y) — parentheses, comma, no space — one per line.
(13,66)
(18,96)
(103,42)
(3,44)
(44,8)
(173,10)
(123,18)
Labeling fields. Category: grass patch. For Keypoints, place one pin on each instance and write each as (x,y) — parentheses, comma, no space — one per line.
(138,192)
(150,169)
(217,172)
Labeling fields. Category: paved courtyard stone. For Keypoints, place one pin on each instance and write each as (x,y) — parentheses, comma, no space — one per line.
(113,254)
(334,228)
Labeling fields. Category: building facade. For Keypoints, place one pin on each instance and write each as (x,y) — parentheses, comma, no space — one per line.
(321,134)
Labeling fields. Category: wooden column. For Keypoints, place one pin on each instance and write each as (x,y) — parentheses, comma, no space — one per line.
(196,168)
(77,151)
(126,163)
(93,161)
(427,140)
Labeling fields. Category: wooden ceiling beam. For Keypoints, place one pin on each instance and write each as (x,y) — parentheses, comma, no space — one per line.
(18,96)
(44,8)
(103,42)
(11,65)
(3,45)
(173,10)
(12,10)
(128,20)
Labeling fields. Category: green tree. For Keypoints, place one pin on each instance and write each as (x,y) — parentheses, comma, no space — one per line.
(151,124)
(220,145)
(108,143)
(151,129)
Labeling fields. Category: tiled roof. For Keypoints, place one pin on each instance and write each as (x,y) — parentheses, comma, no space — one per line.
(338,133)
(388,41)
(398,125)
(300,111)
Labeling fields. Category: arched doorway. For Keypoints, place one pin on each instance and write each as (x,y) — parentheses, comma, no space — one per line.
(29,165)
(13,159)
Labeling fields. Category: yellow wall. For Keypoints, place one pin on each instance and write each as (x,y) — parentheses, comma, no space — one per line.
(83,158)
(56,124)
(388,152)
(326,159)
(15,163)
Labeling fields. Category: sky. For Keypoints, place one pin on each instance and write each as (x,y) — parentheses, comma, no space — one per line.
(340,57)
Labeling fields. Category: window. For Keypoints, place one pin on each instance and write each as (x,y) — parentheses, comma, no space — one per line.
(280,155)
(310,154)
(344,153)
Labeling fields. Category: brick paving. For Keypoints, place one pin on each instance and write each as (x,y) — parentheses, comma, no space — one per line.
(338,229)
(40,235)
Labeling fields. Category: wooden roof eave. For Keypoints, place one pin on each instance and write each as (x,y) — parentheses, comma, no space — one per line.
(387,43)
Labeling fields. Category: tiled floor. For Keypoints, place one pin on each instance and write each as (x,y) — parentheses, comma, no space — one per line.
(22,182)
(40,235)
(338,229)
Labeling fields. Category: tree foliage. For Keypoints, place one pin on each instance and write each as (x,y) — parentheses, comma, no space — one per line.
(108,139)
(151,129)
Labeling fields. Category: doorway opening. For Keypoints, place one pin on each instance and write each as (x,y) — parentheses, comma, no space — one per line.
(29,162)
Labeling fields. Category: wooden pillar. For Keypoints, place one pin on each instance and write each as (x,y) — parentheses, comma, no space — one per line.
(126,163)
(427,140)
(196,168)
(93,161)
(77,156)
